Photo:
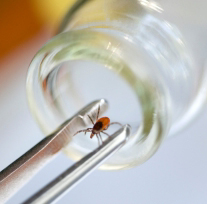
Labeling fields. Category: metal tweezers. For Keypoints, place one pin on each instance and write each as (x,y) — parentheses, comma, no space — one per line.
(20,171)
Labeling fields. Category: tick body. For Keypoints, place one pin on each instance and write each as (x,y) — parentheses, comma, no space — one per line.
(99,126)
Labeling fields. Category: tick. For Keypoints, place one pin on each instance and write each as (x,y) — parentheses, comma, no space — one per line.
(99,126)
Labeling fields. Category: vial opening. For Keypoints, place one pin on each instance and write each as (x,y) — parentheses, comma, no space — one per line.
(78,67)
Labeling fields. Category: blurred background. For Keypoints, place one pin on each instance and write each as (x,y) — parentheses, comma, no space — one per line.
(175,174)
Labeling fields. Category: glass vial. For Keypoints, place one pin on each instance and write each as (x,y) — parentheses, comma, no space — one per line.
(127,53)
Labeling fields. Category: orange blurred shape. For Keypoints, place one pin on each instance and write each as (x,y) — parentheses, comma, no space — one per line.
(52,11)
(18,23)
(22,19)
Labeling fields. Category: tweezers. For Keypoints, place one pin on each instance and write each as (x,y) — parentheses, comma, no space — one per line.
(13,177)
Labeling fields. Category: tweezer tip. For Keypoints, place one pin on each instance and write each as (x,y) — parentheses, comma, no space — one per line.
(127,129)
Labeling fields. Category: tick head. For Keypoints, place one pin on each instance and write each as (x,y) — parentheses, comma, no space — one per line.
(92,134)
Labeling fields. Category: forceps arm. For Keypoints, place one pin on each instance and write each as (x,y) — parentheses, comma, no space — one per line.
(73,175)
(20,171)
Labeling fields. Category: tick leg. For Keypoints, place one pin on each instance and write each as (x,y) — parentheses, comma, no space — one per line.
(105,133)
(98,113)
(86,130)
(100,137)
(91,119)
(115,123)
(80,131)
(98,140)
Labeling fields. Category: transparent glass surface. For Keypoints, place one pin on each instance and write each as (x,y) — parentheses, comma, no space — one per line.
(127,53)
